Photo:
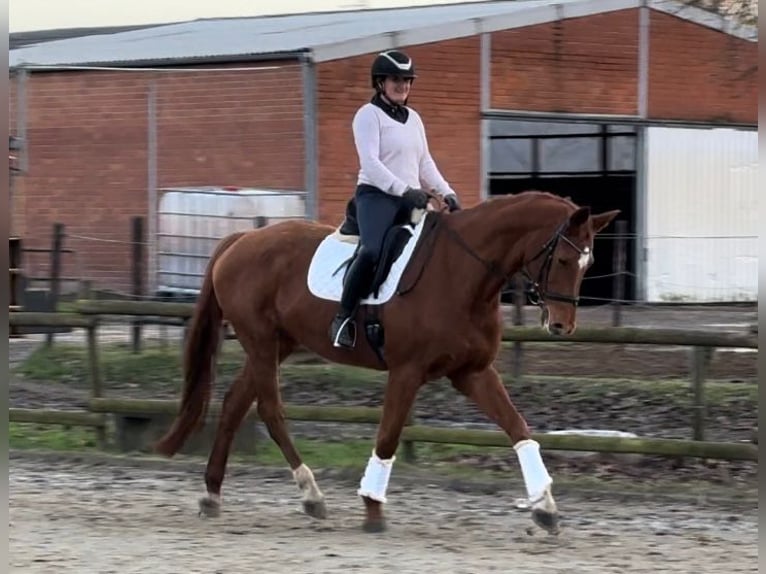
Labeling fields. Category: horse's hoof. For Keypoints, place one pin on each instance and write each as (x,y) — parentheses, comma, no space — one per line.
(548,521)
(315,508)
(209,508)
(374,526)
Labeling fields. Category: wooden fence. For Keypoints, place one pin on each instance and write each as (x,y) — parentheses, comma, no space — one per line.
(89,314)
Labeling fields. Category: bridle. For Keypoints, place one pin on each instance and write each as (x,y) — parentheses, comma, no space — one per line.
(537,291)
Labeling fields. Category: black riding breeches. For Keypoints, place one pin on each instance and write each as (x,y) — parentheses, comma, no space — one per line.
(376,213)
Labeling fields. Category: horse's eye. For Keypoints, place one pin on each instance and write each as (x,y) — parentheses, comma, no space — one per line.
(563,262)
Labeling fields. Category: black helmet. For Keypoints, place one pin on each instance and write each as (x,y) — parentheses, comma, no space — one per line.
(392,63)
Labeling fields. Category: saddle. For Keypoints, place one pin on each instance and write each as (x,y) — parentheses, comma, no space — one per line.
(394,242)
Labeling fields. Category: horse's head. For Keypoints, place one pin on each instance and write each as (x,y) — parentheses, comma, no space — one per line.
(556,270)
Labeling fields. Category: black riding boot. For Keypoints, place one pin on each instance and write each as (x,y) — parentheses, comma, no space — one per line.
(357,285)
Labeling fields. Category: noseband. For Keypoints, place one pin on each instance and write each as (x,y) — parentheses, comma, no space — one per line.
(537,290)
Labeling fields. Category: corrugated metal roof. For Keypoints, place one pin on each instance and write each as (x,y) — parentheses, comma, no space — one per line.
(20,39)
(325,35)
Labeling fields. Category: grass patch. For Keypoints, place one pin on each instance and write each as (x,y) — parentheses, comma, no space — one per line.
(354,453)
(316,453)
(51,437)
(159,366)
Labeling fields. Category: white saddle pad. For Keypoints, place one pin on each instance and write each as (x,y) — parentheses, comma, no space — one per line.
(334,251)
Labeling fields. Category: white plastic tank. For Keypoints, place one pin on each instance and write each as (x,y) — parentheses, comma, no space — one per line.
(191,221)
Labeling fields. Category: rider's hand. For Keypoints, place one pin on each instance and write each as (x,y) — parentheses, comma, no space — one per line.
(453,203)
(416,198)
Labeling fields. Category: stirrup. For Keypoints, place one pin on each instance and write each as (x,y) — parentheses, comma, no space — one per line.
(343,334)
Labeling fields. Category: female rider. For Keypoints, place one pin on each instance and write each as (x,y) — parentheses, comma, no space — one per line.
(395,164)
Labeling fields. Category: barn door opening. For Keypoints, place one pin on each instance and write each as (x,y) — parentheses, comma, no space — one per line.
(594,164)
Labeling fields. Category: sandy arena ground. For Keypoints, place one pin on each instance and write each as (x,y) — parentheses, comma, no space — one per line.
(82,516)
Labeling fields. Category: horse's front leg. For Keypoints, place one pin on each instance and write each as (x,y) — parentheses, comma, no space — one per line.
(400,393)
(486,389)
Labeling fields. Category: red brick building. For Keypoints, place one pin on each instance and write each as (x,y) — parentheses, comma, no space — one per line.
(267,102)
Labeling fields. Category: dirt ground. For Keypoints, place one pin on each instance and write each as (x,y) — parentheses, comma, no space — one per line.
(93,517)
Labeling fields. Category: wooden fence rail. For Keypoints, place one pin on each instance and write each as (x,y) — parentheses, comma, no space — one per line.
(613,335)
(89,314)
(475,437)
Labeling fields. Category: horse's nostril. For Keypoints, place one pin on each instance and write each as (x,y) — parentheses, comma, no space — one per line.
(557,328)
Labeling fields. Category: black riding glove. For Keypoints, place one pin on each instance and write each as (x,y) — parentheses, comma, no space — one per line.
(416,198)
(453,203)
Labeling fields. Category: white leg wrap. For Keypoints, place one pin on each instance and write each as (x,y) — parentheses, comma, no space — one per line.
(305,480)
(375,480)
(536,477)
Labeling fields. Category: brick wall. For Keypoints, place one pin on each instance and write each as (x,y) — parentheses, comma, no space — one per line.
(88,152)
(446,94)
(579,65)
(699,74)
(590,65)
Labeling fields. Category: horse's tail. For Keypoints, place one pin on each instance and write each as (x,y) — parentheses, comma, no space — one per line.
(199,358)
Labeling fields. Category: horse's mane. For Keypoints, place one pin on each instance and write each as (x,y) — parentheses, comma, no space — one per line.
(532,194)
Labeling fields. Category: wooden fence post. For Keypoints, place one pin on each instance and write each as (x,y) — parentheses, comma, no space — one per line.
(700,358)
(55,280)
(618,268)
(408,446)
(95,375)
(519,298)
(137,241)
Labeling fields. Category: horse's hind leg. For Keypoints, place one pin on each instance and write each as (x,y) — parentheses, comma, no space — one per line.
(271,412)
(236,404)
(486,389)
(265,354)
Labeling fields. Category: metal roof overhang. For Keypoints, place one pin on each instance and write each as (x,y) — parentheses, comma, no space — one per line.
(461,28)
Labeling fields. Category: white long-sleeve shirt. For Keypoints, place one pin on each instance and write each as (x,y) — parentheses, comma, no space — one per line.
(393,155)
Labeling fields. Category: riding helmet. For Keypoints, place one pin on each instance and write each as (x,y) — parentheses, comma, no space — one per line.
(392,63)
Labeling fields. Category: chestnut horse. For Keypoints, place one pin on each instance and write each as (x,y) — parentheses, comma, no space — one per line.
(448,324)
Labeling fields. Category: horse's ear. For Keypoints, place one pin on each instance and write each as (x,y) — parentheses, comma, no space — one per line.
(579,217)
(603,219)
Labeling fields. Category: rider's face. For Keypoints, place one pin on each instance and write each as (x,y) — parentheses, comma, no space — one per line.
(397,89)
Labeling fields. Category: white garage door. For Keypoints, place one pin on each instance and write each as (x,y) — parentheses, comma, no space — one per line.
(701,215)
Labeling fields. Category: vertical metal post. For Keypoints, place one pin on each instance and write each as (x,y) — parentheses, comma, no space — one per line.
(21,119)
(639,245)
(310,136)
(640,210)
(485,67)
(643,60)
(22,149)
(151,173)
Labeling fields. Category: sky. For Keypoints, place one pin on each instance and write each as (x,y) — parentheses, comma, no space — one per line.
(26,15)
